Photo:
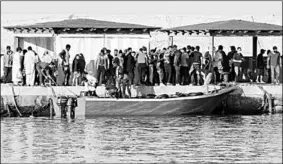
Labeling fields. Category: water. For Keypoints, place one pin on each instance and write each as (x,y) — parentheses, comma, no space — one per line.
(248,139)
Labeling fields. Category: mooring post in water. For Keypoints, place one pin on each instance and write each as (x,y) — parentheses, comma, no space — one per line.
(51,108)
(71,105)
(62,103)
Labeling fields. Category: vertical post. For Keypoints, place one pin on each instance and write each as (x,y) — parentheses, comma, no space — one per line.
(171,40)
(104,42)
(16,43)
(212,47)
(254,52)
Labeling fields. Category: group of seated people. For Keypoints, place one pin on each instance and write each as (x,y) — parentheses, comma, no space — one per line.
(122,69)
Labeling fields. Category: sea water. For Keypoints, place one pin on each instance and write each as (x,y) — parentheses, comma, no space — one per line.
(225,139)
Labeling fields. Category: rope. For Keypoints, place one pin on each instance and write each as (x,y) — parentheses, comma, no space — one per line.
(57,85)
(14,98)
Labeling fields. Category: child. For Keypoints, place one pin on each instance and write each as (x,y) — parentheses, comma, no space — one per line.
(90,84)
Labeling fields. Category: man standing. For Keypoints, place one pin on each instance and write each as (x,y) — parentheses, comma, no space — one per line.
(102,66)
(177,64)
(197,60)
(260,66)
(184,69)
(275,62)
(167,65)
(217,65)
(129,64)
(152,66)
(8,62)
(207,63)
(65,56)
(29,62)
(141,66)
(237,62)
(231,64)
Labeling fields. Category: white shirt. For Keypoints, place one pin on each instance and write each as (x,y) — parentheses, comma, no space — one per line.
(46,58)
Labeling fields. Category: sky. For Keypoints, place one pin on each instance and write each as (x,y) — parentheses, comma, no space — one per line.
(155,13)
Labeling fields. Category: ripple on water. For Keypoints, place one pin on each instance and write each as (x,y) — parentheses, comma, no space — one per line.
(243,139)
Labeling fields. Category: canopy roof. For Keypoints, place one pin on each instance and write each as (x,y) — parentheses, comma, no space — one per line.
(229,28)
(82,26)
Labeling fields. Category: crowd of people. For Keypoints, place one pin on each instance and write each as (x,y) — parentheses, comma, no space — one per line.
(169,66)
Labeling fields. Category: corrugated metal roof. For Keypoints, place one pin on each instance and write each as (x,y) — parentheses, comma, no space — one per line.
(229,25)
(84,23)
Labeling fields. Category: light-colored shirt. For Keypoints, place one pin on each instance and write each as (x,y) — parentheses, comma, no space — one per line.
(184,58)
(274,58)
(8,59)
(46,58)
(167,56)
(141,58)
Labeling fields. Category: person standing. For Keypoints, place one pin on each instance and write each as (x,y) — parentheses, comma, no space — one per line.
(118,76)
(232,73)
(207,63)
(102,66)
(129,64)
(275,62)
(167,65)
(110,72)
(141,66)
(29,63)
(184,69)
(152,66)
(16,71)
(226,67)
(8,63)
(237,62)
(76,70)
(177,65)
(23,67)
(217,66)
(260,66)
(65,56)
(196,65)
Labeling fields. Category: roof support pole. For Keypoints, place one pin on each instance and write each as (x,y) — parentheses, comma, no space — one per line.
(254,52)
(212,47)
(171,40)
(16,42)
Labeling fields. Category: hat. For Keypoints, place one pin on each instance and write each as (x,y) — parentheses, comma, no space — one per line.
(262,50)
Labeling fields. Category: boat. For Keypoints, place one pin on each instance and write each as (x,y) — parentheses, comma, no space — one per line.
(191,105)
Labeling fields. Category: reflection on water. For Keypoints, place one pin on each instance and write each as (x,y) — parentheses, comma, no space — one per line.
(246,139)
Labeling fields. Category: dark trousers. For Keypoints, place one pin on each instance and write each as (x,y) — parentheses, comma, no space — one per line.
(216,75)
(142,72)
(7,74)
(101,75)
(177,73)
(67,74)
(184,73)
(168,72)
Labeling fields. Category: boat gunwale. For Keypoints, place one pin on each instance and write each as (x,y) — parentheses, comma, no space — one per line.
(220,92)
